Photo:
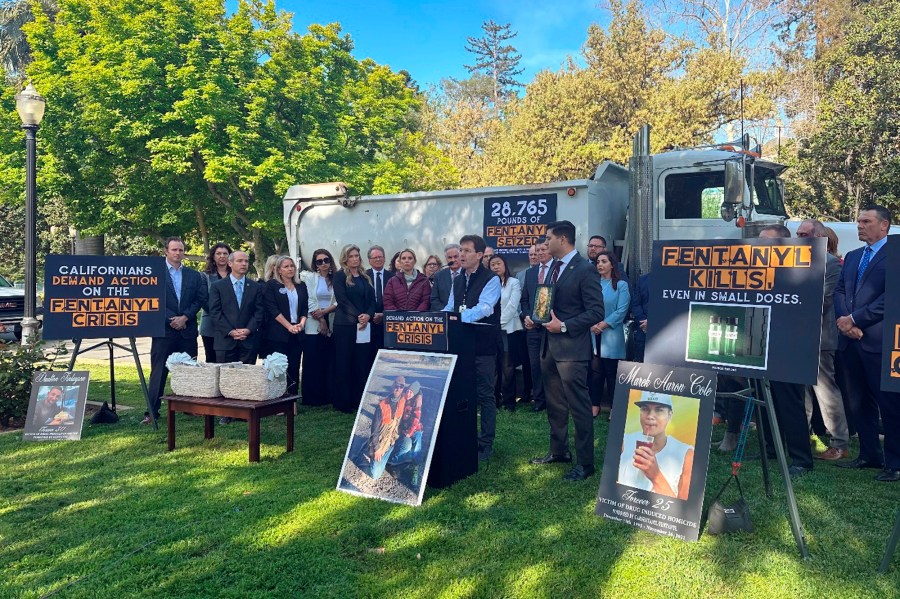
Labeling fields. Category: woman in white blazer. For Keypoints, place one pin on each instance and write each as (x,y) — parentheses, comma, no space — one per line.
(511,331)
(318,355)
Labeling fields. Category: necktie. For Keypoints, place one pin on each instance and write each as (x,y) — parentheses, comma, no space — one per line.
(239,291)
(453,274)
(542,274)
(378,290)
(554,274)
(864,263)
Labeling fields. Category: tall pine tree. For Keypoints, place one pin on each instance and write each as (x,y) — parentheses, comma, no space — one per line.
(496,58)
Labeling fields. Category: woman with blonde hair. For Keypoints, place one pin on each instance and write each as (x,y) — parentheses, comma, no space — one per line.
(355,297)
(286,305)
(318,355)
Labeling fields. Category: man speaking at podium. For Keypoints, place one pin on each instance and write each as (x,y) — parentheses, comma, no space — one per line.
(476,297)
(566,350)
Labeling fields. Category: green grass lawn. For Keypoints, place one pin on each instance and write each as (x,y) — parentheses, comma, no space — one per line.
(116,515)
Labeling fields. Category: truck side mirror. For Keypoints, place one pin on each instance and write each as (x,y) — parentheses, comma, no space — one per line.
(734,183)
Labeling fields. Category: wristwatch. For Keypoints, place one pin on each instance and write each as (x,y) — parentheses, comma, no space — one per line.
(562,327)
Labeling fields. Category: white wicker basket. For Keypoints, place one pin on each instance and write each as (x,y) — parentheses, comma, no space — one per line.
(249,381)
(201,380)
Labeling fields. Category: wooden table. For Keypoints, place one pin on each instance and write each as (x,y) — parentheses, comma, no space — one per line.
(251,411)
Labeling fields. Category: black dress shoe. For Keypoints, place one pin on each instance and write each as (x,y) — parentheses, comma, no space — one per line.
(539,406)
(579,472)
(888,475)
(858,464)
(552,459)
(796,472)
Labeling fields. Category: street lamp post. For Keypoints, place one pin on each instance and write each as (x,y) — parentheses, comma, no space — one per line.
(30,106)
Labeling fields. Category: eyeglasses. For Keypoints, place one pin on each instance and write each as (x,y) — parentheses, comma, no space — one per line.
(432,264)
(321,261)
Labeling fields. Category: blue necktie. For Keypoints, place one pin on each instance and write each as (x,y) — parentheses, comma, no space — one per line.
(864,263)
(239,291)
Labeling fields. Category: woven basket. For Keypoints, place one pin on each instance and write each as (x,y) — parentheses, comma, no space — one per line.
(249,381)
(201,380)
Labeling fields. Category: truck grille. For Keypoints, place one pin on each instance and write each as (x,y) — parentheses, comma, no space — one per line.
(12,304)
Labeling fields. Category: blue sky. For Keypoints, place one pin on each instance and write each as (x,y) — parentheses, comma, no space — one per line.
(428,38)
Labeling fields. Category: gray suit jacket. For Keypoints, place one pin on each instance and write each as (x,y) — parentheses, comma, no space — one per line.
(440,291)
(578,302)
(829,326)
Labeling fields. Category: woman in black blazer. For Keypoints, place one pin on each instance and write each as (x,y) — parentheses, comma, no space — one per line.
(355,297)
(286,304)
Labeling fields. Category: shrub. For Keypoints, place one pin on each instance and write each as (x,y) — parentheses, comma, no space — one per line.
(18,363)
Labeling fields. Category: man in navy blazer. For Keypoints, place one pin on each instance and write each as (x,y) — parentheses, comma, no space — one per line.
(859,307)
(186,294)
(236,319)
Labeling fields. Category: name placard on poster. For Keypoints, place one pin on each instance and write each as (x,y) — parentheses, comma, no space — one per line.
(654,470)
(424,331)
(513,224)
(56,407)
(90,297)
(890,355)
(744,307)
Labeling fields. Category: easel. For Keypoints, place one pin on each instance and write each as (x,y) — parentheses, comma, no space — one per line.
(760,395)
(111,345)
(891,547)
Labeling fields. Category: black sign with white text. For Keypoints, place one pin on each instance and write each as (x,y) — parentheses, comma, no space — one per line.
(744,307)
(890,354)
(513,224)
(654,470)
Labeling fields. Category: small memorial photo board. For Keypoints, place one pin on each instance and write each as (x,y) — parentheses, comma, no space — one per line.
(417,331)
(890,377)
(654,471)
(56,408)
(393,438)
(543,303)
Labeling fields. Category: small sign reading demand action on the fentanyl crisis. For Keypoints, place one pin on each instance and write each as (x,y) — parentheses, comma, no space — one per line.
(654,471)
(91,297)
(425,331)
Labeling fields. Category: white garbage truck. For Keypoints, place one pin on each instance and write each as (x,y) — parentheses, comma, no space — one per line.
(722,191)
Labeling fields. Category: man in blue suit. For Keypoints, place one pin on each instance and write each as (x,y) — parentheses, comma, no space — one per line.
(859,307)
(186,294)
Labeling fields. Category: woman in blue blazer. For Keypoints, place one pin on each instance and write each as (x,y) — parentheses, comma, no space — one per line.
(609,333)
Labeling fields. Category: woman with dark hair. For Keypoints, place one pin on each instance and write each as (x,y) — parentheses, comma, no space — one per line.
(609,333)
(433,265)
(287,305)
(355,297)
(393,265)
(512,333)
(318,354)
(216,268)
(407,290)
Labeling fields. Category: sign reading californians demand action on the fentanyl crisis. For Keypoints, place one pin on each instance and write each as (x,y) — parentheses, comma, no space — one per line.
(513,224)
(91,297)
(743,307)
(657,452)
(890,372)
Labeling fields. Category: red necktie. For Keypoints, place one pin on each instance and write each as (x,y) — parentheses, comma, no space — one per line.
(554,274)
(542,274)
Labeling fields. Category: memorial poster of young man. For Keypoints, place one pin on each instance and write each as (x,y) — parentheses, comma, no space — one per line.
(513,224)
(92,297)
(744,307)
(56,407)
(421,331)
(890,372)
(654,471)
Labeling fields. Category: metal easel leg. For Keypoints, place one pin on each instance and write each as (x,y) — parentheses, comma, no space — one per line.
(137,362)
(891,547)
(112,375)
(796,526)
(763,446)
(75,351)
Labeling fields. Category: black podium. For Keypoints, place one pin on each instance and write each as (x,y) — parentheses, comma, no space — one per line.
(455,453)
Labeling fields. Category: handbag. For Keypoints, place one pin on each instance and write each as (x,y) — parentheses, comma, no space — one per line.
(734,517)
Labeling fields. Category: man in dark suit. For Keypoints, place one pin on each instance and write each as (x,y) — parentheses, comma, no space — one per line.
(566,350)
(640,303)
(186,294)
(859,307)
(377,276)
(536,275)
(443,280)
(236,307)
(825,392)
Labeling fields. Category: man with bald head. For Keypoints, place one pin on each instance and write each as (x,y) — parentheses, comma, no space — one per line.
(826,391)
(236,308)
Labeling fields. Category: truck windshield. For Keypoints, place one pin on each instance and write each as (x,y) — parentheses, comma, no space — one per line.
(4,282)
(767,193)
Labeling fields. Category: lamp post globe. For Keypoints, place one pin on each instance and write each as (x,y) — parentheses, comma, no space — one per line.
(30,105)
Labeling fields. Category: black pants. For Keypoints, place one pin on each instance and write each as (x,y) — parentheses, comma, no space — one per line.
(160,349)
(352,361)
(790,408)
(602,375)
(243,351)
(293,349)
(209,348)
(318,370)
(862,371)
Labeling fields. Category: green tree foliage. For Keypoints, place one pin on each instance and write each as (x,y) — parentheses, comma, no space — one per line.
(496,58)
(853,156)
(173,117)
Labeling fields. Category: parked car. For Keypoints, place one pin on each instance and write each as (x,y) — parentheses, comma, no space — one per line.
(12,308)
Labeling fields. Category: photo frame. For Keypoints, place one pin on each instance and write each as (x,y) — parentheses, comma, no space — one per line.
(543,303)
